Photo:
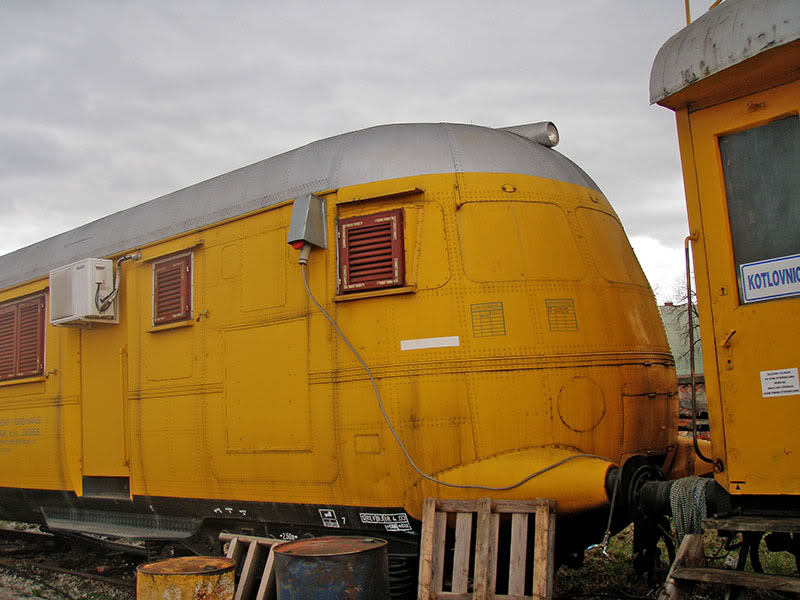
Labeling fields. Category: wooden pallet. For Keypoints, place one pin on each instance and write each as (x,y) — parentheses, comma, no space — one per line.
(688,566)
(484,561)
(258,560)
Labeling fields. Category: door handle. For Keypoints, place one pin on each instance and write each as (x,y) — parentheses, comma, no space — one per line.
(726,343)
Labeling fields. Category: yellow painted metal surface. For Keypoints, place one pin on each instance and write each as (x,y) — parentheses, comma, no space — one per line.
(102,362)
(578,484)
(685,462)
(560,351)
(187,578)
(40,417)
(755,437)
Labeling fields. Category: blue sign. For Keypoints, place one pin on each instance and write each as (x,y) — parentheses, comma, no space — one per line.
(773,278)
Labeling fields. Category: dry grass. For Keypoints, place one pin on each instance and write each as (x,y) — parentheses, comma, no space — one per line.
(614,577)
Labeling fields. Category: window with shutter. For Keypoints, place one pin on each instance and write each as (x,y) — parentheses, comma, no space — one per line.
(172,290)
(22,337)
(31,330)
(8,341)
(371,252)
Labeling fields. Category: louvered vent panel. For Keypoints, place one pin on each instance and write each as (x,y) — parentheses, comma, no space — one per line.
(371,251)
(172,290)
(30,356)
(8,342)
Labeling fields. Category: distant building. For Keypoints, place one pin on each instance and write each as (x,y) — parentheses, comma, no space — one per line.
(676,325)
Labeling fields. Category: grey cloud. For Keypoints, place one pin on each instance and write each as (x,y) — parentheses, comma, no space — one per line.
(32,150)
(111,104)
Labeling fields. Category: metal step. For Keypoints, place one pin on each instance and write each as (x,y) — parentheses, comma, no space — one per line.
(120,524)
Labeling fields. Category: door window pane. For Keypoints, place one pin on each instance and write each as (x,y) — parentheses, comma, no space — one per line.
(761,167)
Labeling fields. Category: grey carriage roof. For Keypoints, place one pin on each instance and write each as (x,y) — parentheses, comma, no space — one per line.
(726,35)
(374,154)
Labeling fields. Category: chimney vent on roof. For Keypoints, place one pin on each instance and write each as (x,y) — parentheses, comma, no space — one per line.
(544,133)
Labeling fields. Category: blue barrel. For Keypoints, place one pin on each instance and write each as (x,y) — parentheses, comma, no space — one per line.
(332,568)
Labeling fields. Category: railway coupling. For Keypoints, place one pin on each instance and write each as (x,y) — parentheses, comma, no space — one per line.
(645,497)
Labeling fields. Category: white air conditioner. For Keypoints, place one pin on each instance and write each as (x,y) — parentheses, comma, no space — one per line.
(74,290)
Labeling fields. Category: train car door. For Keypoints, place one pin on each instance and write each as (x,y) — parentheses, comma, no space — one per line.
(747,154)
(102,364)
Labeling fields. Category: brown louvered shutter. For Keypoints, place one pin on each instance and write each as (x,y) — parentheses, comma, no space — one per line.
(371,252)
(8,341)
(172,290)
(30,357)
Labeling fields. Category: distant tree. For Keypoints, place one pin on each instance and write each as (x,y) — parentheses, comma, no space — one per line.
(656,289)
(681,315)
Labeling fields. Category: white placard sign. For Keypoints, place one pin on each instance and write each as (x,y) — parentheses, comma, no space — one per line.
(427,343)
(780,382)
(773,278)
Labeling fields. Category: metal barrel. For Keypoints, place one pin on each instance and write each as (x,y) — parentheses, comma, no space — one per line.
(334,567)
(187,578)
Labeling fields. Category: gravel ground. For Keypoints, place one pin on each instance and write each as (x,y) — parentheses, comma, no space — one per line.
(27,582)
(23,573)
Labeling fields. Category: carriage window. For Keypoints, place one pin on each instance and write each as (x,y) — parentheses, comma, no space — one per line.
(22,337)
(371,254)
(761,167)
(172,289)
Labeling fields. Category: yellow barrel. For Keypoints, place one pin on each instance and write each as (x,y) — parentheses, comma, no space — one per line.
(187,578)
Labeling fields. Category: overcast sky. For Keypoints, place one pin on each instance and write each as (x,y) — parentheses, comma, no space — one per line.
(104,105)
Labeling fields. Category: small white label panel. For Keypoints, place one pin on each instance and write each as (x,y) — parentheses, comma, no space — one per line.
(774,278)
(390,521)
(781,382)
(328,517)
(425,343)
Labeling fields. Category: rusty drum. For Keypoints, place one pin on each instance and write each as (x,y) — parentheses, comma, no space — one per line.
(335,567)
(187,578)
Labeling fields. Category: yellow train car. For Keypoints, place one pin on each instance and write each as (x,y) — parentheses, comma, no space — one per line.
(732,79)
(736,97)
(193,386)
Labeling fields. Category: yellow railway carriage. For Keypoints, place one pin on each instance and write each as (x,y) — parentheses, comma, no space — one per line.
(483,277)
(732,79)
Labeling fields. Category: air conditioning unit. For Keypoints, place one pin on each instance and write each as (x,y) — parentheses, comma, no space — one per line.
(74,290)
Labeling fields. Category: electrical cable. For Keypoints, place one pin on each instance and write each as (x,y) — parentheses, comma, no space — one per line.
(607,536)
(420,472)
(103,303)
